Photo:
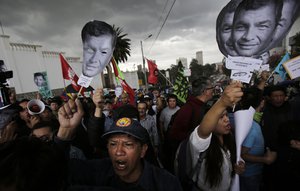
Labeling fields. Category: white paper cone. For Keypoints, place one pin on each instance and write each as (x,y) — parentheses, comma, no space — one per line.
(235,185)
(243,121)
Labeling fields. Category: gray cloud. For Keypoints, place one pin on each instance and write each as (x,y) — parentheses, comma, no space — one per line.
(57,25)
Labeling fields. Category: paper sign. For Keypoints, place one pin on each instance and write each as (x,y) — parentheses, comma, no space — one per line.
(243,63)
(243,76)
(293,67)
(264,67)
(84,81)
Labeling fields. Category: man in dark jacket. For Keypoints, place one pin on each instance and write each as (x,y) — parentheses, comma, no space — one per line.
(126,168)
(188,117)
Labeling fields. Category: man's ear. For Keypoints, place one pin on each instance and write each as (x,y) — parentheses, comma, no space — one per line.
(144,150)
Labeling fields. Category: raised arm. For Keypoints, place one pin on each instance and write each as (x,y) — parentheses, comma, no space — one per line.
(96,123)
(98,99)
(231,95)
(69,116)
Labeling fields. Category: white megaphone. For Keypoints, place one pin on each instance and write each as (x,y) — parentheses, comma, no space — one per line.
(35,106)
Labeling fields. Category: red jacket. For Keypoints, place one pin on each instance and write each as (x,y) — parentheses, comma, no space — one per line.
(188,118)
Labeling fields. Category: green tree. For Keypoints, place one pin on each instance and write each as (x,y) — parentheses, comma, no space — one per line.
(209,69)
(196,70)
(122,49)
(181,84)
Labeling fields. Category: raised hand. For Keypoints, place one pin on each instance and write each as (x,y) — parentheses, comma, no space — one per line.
(232,94)
(98,99)
(69,116)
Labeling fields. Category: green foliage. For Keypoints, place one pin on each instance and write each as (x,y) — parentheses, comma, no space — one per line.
(181,84)
(199,70)
(122,49)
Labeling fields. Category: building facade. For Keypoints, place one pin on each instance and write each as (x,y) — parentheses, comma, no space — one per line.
(26,59)
(199,57)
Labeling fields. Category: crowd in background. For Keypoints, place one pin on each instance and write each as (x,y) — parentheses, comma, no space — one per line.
(271,151)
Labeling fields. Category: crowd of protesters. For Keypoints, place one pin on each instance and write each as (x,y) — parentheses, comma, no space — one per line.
(103,142)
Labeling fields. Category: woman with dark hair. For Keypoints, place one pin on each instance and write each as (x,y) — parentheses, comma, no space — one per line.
(213,136)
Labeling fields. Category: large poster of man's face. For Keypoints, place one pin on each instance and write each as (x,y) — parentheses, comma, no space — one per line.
(251,28)
(99,40)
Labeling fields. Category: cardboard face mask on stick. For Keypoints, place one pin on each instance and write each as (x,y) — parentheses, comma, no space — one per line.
(252,27)
(98,39)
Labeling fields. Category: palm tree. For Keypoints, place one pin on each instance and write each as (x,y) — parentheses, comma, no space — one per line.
(122,49)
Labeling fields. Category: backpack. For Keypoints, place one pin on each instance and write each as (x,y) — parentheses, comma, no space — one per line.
(183,161)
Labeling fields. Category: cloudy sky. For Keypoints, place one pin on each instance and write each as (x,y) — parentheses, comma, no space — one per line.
(56,25)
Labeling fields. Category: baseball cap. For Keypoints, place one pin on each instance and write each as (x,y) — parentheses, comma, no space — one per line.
(130,127)
(147,97)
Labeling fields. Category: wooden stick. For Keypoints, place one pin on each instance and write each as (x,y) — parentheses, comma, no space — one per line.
(79,91)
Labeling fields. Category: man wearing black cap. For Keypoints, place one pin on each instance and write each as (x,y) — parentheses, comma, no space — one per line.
(125,169)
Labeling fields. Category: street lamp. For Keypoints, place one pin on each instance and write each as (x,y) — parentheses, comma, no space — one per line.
(144,68)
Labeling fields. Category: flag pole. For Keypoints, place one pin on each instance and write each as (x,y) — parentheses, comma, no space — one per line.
(79,92)
(165,77)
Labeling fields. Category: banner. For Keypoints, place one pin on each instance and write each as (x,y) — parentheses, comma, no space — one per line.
(120,78)
(181,85)
(280,69)
(69,74)
(153,72)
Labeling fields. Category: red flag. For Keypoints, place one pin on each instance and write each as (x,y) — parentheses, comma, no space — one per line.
(69,74)
(124,84)
(153,72)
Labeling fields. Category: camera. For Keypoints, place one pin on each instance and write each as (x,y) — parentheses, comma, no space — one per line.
(4,91)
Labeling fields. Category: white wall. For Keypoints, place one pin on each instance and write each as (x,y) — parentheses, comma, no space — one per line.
(26,59)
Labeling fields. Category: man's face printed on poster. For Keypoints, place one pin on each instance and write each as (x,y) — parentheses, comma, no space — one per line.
(252,27)
(98,46)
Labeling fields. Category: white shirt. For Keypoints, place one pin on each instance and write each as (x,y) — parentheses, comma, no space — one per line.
(200,145)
